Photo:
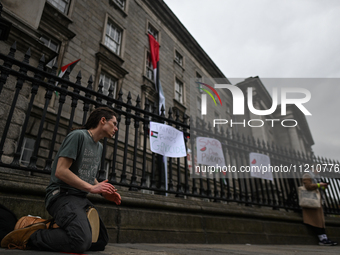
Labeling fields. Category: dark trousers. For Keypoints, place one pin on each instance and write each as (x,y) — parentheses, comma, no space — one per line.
(74,232)
(7,221)
(317,231)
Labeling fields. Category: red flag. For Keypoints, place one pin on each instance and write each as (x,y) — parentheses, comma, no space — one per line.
(154,51)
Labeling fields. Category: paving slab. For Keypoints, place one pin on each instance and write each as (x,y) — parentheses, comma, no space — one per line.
(196,249)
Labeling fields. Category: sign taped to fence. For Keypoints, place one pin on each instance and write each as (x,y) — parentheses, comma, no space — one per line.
(209,152)
(166,140)
(260,166)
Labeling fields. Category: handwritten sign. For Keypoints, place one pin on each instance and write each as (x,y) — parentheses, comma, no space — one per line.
(166,140)
(209,152)
(260,166)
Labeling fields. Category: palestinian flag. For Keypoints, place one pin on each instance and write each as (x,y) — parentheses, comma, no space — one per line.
(63,69)
(154,134)
(154,52)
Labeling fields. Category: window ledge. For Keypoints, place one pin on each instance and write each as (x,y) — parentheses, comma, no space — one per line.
(110,59)
(150,90)
(179,65)
(178,105)
(148,79)
(149,83)
(50,8)
(56,22)
(117,7)
(108,52)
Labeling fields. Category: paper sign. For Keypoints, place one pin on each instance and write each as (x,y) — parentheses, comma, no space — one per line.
(260,166)
(166,140)
(209,152)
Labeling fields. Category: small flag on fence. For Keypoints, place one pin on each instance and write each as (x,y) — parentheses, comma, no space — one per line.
(63,69)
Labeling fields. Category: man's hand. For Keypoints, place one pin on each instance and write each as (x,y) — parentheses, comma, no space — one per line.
(103,187)
(323,185)
(114,197)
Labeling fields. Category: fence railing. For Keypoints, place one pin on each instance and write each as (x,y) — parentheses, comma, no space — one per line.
(39,109)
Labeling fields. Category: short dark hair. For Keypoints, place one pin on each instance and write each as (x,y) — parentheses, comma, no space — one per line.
(97,114)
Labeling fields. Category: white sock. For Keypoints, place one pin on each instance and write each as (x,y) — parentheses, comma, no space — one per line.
(322,237)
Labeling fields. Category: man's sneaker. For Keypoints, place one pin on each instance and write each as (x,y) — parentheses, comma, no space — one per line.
(93,217)
(18,239)
(327,242)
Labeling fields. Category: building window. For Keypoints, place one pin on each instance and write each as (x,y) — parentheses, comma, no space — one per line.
(179,91)
(199,79)
(149,68)
(153,31)
(27,151)
(178,58)
(61,5)
(108,81)
(53,45)
(113,37)
(120,3)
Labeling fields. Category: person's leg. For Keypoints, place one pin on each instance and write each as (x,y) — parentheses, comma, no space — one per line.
(7,221)
(73,234)
(321,234)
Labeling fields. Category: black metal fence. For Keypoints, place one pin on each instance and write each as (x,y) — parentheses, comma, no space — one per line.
(127,160)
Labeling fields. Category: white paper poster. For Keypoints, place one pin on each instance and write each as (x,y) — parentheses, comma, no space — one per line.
(260,166)
(166,140)
(209,152)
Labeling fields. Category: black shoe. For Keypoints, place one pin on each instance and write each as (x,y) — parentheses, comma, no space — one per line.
(327,242)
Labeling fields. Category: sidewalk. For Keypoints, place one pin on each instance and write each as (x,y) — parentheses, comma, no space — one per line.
(198,249)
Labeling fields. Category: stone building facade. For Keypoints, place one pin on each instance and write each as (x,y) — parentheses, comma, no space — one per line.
(110,37)
(111,40)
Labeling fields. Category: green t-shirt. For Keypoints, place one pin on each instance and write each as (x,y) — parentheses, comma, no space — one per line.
(86,154)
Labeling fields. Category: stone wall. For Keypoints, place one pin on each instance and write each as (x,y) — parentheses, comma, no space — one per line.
(145,218)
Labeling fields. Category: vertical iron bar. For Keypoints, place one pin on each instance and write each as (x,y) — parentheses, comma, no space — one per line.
(134,167)
(209,192)
(86,107)
(102,173)
(163,173)
(200,127)
(186,169)
(179,182)
(126,144)
(113,177)
(146,133)
(193,153)
(74,101)
(153,166)
(170,184)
